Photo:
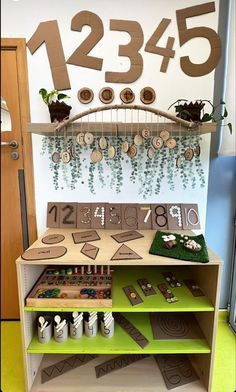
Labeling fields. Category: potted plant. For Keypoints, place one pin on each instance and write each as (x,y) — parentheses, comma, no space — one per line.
(58,109)
(194,111)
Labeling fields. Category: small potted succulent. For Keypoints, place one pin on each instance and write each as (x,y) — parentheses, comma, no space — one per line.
(58,109)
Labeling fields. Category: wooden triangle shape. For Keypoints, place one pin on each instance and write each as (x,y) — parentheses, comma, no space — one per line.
(90,250)
(125,253)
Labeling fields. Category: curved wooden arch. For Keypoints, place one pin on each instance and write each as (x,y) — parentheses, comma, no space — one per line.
(158,112)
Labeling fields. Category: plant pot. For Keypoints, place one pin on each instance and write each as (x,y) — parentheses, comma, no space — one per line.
(190,111)
(59,111)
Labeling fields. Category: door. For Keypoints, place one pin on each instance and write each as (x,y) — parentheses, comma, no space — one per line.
(18,224)
(232,298)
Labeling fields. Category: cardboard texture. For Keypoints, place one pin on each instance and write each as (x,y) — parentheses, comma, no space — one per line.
(132,331)
(53,215)
(68,213)
(144,217)
(80,56)
(49,252)
(193,287)
(98,215)
(84,212)
(190,216)
(48,33)
(130,50)
(176,369)
(132,295)
(85,236)
(167,326)
(159,217)
(127,236)
(174,222)
(129,217)
(125,253)
(90,250)
(113,216)
(64,366)
(146,287)
(53,239)
(118,363)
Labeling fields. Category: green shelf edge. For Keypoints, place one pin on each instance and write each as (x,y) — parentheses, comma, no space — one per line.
(121,343)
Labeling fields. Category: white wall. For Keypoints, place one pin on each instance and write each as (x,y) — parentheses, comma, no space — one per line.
(21,18)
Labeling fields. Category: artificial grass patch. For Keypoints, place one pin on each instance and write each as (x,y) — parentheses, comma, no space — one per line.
(179,251)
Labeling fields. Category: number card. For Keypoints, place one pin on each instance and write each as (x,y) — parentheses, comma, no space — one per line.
(144,216)
(159,217)
(98,216)
(84,215)
(113,216)
(68,215)
(129,216)
(174,216)
(190,216)
(53,214)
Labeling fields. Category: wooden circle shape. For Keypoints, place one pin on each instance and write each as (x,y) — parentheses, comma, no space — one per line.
(80,139)
(85,95)
(138,140)
(171,143)
(53,239)
(127,95)
(102,143)
(164,135)
(111,152)
(150,153)
(145,133)
(106,95)
(88,138)
(65,156)
(157,142)
(56,157)
(188,154)
(96,156)
(147,95)
(125,146)
(197,150)
(132,151)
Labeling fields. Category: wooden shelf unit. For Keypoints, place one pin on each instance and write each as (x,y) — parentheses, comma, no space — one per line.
(199,351)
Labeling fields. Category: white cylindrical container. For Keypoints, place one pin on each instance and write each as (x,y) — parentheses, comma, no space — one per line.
(61,335)
(45,335)
(76,333)
(107,332)
(92,330)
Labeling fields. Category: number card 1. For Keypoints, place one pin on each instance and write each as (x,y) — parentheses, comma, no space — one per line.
(68,215)
(53,214)
(144,217)
(98,216)
(113,216)
(190,216)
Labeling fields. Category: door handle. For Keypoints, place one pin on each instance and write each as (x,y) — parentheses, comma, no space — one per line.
(12,144)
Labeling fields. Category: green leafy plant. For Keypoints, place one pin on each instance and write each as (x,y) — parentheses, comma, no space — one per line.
(52,96)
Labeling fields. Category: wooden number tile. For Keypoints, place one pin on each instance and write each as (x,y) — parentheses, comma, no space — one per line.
(84,214)
(98,215)
(159,217)
(190,216)
(144,217)
(174,216)
(146,287)
(113,216)
(53,214)
(132,295)
(68,212)
(129,216)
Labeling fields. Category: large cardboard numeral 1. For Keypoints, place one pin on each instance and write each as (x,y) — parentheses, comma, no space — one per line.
(113,216)
(84,215)
(144,216)
(53,214)
(190,216)
(98,216)
(68,214)
(129,216)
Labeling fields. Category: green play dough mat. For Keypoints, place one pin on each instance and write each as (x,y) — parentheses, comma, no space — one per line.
(179,251)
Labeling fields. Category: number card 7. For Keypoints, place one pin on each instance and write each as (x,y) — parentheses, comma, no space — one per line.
(144,216)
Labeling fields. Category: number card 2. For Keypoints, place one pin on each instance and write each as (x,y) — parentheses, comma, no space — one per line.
(98,216)
(190,216)
(84,215)
(144,217)
(53,214)
(113,216)
(129,216)
(68,215)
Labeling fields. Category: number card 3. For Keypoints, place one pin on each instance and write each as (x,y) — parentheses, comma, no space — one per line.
(113,216)
(84,215)
(68,214)
(98,216)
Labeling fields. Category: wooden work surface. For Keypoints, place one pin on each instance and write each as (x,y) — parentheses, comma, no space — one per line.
(107,247)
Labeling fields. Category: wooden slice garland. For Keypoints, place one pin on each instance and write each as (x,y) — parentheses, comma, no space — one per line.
(127,95)
(145,133)
(65,156)
(150,153)
(56,157)
(164,135)
(88,138)
(171,143)
(125,146)
(179,160)
(102,143)
(188,154)
(96,155)
(80,139)
(106,95)
(157,142)
(132,151)
(147,95)
(111,152)
(72,151)
(197,150)
(85,95)
(138,140)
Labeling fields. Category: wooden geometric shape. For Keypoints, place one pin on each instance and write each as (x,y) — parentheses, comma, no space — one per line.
(125,253)
(53,214)
(129,217)
(84,215)
(49,252)
(127,236)
(190,216)
(159,217)
(144,217)
(68,212)
(90,250)
(85,236)
(113,216)
(53,239)
(132,295)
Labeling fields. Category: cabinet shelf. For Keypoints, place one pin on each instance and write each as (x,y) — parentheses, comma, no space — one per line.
(121,342)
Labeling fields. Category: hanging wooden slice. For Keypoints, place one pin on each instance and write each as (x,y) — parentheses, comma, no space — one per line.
(80,139)
(72,151)
(197,150)
(132,151)
(56,157)
(157,142)
(171,143)
(102,143)
(111,152)
(96,156)
(85,95)
(88,138)
(106,95)
(188,154)
(179,161)
(147,95)
(125,146)
(150,153)
(65,156)
(138,140)
(145,133)
(127,95)
(165,135)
